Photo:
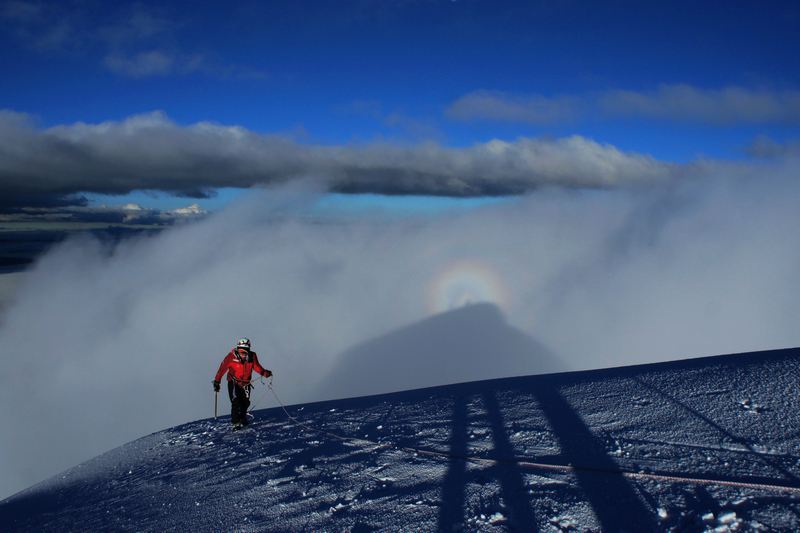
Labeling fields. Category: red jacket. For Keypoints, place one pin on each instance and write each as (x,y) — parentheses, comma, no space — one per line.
(241,371)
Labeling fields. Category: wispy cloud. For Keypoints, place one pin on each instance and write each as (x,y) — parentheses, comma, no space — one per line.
(763,146)
(142,64)
(503,106)
(140,43)
(411,127)
(134,41)
(137,24)
(46,27)
(674,103)
(150,152)
(685,103)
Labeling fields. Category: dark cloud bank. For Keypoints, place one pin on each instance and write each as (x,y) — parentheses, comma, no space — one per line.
(150,152)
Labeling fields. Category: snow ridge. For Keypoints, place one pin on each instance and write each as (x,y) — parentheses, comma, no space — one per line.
(542,449)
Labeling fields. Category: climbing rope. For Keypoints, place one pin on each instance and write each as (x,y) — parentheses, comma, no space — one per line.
(562,468)
(262,396)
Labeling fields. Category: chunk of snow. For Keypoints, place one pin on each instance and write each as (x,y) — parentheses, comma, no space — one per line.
(496,517)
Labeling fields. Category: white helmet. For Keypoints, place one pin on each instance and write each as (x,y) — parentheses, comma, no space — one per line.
(244,343)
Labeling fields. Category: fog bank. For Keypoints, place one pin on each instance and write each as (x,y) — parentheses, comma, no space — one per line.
(99,348)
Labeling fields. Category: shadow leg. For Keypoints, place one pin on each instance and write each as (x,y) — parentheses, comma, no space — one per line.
(512,483)
(614,501)
(452,511)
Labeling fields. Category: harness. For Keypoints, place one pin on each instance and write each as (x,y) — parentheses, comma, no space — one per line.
(245,384)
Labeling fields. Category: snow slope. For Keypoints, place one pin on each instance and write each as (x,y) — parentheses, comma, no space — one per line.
(721,419)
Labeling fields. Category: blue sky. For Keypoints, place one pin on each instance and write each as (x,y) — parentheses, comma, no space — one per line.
(678,81)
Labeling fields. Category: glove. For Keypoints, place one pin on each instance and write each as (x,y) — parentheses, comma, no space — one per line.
(216,385)
(268,374)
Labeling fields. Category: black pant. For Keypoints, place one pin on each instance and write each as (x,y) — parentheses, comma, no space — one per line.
(240,402)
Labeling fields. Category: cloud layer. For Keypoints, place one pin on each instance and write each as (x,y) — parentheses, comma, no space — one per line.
(151,152)
(675,103)
(120,342)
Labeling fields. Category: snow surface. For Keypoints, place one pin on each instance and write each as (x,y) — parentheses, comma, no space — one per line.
(726,418)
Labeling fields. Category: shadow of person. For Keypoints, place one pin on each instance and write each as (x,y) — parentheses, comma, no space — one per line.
(468,344)
(474,343)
